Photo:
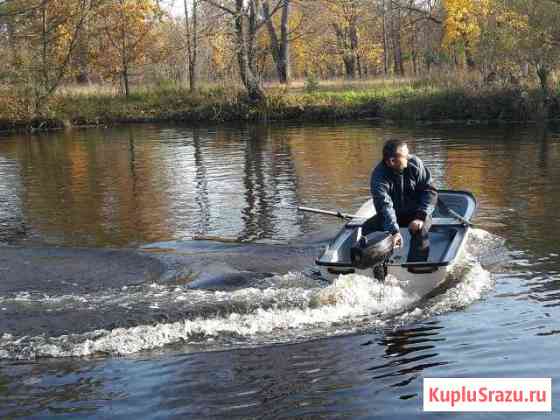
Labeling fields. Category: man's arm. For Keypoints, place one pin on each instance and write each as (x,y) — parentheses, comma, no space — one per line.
(427,192)
(384,204)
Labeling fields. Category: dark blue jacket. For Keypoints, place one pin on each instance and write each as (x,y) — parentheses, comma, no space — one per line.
(402,194)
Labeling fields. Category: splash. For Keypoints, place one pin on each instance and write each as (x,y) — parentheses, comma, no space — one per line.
(284,308)
(294,313)
(470,278)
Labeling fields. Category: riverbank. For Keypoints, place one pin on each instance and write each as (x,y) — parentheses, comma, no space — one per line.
(411,102)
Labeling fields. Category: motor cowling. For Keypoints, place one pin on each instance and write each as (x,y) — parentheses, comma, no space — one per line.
(371,250)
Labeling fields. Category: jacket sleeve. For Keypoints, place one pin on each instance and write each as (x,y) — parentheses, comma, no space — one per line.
(383,203)
(426,191)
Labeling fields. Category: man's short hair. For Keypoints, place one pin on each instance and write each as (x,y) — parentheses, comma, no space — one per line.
(390,148)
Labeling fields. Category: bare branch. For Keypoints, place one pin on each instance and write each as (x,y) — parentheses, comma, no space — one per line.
(271,13)
(5,12)
(425,13)
(221,7)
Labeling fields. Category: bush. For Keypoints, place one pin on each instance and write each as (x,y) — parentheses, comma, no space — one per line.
(311,84)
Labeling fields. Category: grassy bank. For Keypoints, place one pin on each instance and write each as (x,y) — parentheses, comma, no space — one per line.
(399,101)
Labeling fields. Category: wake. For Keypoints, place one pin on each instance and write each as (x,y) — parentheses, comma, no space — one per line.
(279,309)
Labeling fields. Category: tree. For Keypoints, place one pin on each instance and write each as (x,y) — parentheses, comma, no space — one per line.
(11,8)
(244,16)
(344,19)
(462,26)
(516,34)
(280,47)
(43,36)
(126,27)
(535,23)
(248,19)
(191,26)
(395,30)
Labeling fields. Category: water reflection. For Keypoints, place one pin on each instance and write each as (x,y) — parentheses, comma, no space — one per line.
(201,182)
(56,388)
(323,378)
(134,185)
(12,223)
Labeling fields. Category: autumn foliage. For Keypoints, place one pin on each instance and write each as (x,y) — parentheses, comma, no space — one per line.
(49,45)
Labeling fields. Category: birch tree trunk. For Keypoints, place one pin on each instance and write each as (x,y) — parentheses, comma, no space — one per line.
(243,45)
(191,26)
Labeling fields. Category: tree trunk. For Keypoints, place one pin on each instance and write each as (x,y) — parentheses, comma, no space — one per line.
(353,38)
(396,35)
(414,53)
(345,44)
(10,29)
(125,64)
(285,44)
(469,59)
(193,62)
(44,48)
(349,65)
(252,36)
(248,77)
(42,82)
(192,42)
(280,48)
(543,72)
(125,80)
(385,44)
(359,67)
(82,58)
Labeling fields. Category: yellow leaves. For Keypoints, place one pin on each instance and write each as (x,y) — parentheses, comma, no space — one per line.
(372,53)
(14,106)
(462,22)
(514,22)
(127,32)
(221,52)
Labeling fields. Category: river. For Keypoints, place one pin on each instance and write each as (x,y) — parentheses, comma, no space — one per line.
(101,231)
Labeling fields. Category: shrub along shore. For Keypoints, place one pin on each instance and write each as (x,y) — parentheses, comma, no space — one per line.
(404,103)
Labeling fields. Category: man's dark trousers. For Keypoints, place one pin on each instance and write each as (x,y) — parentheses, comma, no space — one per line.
(419,242)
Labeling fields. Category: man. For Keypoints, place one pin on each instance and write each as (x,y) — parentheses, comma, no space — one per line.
(403,195)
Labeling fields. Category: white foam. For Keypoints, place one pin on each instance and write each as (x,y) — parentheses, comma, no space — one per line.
(290,309)
(474,282)
(348,297)
(471,280)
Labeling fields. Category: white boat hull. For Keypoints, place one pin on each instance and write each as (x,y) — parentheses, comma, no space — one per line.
(447,238)
(415,285)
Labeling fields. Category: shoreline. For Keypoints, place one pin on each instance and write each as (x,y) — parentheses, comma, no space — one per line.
(398,106)
(53,126)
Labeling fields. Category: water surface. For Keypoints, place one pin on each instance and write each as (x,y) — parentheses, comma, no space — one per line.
(281,345)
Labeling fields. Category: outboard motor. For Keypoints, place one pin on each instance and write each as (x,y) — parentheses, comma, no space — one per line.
(373,251)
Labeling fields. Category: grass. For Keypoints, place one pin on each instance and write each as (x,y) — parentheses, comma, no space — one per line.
(410,100)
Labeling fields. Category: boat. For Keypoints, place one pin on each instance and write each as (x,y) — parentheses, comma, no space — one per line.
(356,249)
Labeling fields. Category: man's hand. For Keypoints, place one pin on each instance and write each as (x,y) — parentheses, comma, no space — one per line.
(397,240)
(416,225)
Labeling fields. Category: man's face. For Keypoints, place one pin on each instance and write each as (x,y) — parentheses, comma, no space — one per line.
(400,161)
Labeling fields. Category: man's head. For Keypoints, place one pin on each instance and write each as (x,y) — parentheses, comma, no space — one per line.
(395,154)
